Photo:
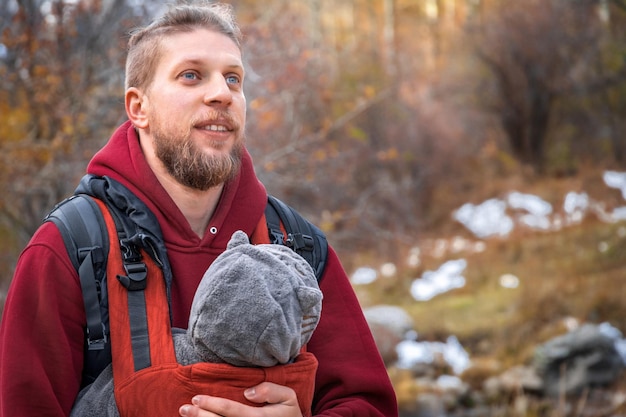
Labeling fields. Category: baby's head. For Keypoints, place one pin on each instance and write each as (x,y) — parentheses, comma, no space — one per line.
(257,305)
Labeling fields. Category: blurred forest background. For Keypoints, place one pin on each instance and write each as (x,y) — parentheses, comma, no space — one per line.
(376,118)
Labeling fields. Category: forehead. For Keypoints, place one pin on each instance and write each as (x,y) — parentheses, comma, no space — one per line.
(201,46)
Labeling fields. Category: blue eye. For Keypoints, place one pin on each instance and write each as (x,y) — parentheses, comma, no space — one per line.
(232,79)
(189,76)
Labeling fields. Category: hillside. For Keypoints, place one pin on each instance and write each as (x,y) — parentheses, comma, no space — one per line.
(520,289)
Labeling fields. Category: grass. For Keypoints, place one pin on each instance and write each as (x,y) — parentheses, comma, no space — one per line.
(562,275)
(576,273)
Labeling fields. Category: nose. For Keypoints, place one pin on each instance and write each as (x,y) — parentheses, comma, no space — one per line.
(217,91)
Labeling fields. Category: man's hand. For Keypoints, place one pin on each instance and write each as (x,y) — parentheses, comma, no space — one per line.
(281,402)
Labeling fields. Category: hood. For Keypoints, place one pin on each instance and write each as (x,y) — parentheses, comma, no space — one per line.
(240,208)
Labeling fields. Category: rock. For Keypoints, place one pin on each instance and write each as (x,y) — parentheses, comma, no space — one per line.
(513,381)
(386,342)
(430,405)
(584,357)
(395,319)
(480,370)
(389,326)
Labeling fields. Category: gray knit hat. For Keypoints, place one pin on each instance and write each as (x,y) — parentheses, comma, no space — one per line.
(257,305)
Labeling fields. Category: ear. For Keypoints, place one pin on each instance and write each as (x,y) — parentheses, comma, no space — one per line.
(135,102)
(310,300)
(237,239)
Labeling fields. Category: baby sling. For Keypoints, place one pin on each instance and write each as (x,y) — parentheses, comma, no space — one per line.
(103,213)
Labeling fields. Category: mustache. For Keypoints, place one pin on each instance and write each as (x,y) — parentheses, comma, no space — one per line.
(216,116)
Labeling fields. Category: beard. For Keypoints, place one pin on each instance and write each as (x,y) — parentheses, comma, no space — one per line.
(191,167)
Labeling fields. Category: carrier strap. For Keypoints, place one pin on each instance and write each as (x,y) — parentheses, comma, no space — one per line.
(136,326)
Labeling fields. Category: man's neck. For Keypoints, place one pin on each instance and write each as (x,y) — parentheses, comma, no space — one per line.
(197,206)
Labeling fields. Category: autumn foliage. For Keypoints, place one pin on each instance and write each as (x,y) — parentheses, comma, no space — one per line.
(371,117)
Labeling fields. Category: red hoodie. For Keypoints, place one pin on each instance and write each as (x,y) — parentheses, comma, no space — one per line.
(42,330)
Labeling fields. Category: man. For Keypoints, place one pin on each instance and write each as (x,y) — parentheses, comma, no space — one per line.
(182,153)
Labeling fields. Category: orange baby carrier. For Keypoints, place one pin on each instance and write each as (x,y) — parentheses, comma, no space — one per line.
(147,378)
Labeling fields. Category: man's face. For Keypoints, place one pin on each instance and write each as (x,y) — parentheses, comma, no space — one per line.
(196,109)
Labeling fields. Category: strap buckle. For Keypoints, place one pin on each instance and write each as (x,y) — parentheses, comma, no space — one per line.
(136,270)
(97,344)
(298,241)
(277,237)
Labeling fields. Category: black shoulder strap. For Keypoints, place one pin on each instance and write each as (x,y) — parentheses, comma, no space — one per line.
(302,236)
(86,239)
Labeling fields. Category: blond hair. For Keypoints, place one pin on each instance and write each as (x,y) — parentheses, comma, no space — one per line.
(144,45)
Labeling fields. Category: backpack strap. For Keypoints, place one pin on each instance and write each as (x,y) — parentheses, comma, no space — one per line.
(299,234)
(84,234)
(86,239)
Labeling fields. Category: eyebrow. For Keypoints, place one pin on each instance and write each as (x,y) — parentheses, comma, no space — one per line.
(236,67)
(200,61)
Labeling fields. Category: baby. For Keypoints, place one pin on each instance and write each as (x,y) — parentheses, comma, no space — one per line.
(256,306)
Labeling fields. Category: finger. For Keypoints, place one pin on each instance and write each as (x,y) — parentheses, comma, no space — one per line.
(270,393)
(189,410)
(209,406)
